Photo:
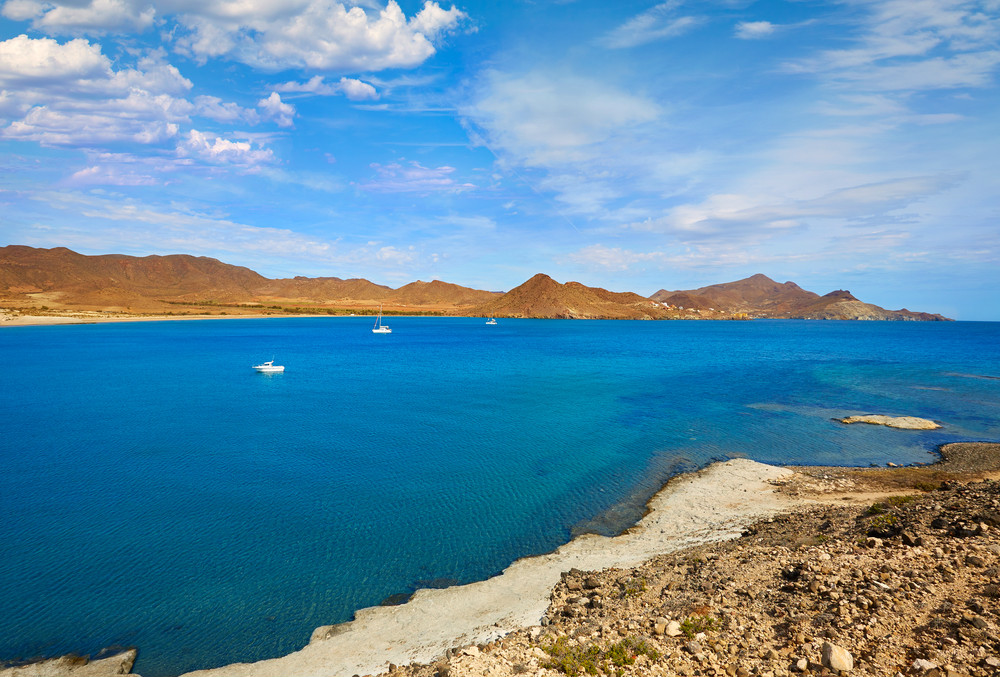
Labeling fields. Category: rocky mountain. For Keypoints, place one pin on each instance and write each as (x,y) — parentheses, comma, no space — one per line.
(760,296)
(541,296)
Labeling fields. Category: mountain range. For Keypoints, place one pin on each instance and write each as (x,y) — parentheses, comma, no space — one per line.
(61,280)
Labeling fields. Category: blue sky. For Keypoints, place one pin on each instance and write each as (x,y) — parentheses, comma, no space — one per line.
(630,145)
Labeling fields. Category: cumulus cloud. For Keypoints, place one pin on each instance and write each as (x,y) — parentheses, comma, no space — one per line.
(95,17)
(214,108)
(71,94)
(275,109)
(315,34)
(214,149)
(657,23)
(754,30)
(352,88)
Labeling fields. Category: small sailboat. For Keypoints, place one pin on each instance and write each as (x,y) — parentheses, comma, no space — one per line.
(380,328)
(491,320)
(269,367)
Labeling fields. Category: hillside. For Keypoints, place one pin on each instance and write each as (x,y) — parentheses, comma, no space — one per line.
(61,281)
(760,296)
(541,296)
(438,293)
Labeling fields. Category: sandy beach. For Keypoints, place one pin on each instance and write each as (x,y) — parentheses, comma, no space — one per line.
(17,320)
(716,503)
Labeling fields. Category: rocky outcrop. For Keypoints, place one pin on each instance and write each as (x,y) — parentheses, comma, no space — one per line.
(904,422)
(808,593)
(76,666)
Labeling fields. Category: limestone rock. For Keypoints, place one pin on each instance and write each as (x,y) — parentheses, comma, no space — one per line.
(904,422)
(837,658)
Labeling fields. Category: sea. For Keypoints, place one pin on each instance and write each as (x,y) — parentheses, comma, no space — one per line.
(157,492)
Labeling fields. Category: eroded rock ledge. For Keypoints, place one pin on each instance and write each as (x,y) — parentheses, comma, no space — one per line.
(904,422)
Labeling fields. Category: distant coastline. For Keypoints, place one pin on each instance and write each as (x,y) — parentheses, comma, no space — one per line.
(51,281)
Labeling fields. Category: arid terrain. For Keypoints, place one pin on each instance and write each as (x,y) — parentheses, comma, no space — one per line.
(62,284)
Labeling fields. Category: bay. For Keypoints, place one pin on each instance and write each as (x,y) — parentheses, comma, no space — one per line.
(157,492)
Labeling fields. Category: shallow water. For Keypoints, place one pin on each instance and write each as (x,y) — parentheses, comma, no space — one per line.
(157,492)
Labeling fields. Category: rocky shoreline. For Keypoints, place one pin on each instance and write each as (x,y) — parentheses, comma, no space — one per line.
(859,580)
(741,569)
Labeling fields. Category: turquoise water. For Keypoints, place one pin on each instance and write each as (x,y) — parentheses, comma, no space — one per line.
(156,492)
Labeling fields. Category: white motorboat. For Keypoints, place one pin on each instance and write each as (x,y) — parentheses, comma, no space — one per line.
(491,320)
(380,328)
(269,367)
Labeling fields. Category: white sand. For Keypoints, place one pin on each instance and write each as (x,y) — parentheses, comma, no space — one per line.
(711,505)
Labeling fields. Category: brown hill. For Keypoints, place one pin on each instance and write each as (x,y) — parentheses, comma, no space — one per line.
(760,296)
(438,293)
(324,289)
(62,274)
(62,280)
(541,296)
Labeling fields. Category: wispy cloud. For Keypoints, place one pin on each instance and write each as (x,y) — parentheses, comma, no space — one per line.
(657,23)
(549,118)
(413,177)
(352,88)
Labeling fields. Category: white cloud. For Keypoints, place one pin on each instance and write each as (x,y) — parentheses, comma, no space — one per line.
(754,30)
(316,34)
(275,109)
(738,216)
(70,94)
(95,17)
(657,23)
(552,118)
(110,176)
(214,108)
(614,258)
(915,45)
(396,257)
(352,88)
(274,35)
(217,150)
(126,225)
(414,178)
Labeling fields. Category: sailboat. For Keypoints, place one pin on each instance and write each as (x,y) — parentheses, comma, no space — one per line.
(380,328)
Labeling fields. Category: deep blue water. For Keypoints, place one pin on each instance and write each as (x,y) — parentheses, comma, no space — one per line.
(157,492)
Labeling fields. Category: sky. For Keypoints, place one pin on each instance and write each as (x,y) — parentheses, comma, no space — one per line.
(841,144)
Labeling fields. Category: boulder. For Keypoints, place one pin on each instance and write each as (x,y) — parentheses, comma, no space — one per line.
(837,658)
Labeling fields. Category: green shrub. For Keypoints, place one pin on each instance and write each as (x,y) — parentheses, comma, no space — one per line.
(692,625)
(592,660)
